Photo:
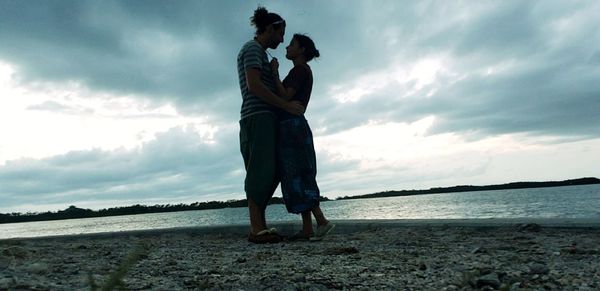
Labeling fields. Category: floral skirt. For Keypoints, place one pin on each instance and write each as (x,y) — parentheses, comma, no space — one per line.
(298,165)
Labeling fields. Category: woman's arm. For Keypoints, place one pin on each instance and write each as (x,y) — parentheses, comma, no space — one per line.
(285,93)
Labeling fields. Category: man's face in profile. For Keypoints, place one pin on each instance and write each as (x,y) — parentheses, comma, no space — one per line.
(277,37)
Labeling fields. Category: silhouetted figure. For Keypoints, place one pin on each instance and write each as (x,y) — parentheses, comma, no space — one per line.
(258,122)
(297,160)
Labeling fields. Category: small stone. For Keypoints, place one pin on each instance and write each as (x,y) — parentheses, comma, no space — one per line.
(341,251)
(299,278)
(533,227)
(488,280)
(16,252)
(537,268)
(82,247)
(38,268)
(6,282)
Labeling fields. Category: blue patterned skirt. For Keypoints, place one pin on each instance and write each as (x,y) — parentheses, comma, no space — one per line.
(298,165)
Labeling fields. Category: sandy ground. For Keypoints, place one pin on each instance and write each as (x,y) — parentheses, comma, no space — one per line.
(410,257)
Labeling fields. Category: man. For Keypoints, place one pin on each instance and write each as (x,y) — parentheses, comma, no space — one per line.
(258,122)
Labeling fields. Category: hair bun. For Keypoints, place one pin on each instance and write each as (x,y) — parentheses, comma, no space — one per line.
(261,17)
(317,54)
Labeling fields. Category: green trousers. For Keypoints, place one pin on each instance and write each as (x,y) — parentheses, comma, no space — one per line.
(258,144)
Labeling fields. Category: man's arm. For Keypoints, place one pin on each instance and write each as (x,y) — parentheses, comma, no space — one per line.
(257,88)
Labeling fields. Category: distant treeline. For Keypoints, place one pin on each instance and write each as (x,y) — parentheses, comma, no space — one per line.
(469,188)
(74,212)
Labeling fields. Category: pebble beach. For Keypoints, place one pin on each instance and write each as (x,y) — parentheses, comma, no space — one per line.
(526,256)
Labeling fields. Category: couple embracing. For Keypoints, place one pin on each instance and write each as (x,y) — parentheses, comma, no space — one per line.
(275,139)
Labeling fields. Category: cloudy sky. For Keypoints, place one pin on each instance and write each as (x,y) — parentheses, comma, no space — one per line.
(112,103)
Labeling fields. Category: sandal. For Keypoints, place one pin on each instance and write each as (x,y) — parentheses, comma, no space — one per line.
(263,237)
(322,231)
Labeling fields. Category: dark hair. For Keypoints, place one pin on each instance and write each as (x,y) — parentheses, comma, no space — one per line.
(263,18)
(310,51)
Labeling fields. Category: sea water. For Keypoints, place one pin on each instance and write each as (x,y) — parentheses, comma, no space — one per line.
(555,202)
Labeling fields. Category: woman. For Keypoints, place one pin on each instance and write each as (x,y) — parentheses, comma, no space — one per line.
(297,161)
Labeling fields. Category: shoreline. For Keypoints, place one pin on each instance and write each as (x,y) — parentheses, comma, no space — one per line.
(441,254)
(347,226)
(74,212)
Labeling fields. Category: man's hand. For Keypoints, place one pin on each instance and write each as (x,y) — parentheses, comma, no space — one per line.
(295,107)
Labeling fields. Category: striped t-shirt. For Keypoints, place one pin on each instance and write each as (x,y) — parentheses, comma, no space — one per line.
(252,55)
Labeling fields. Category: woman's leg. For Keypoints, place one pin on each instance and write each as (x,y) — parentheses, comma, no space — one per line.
(319,216)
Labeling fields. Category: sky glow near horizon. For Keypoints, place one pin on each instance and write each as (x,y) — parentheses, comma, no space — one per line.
(116,103)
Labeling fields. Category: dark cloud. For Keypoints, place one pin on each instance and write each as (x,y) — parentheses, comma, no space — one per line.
(180,52)
(184,52)
(544,86)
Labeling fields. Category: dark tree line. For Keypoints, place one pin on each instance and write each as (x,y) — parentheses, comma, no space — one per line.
(75,212)
(469,188)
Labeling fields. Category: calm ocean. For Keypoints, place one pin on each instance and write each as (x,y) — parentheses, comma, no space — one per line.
(556,202)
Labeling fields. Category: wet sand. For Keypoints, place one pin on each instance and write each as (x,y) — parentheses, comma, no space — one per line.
(358,255)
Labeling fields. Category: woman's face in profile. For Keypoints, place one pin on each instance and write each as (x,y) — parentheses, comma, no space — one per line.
(293,50)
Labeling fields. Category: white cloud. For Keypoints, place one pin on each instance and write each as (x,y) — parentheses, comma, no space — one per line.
(51,119)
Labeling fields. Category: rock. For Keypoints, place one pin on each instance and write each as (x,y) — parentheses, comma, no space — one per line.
(298,278)
(5,283)
(533,227)
(37,268)
(537,268)
(515,286)
(341,251)
(488,280)
(15,252)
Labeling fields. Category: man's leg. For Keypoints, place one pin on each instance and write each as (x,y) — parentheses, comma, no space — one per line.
(257,218)
(257,143)
(307,223)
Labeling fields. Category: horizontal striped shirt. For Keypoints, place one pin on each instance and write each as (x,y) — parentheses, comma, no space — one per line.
(252,55)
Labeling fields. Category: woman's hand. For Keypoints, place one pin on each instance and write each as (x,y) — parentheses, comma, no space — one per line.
(275,66)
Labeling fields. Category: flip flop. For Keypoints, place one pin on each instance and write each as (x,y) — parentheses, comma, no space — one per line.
(322,231)
(263,237)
